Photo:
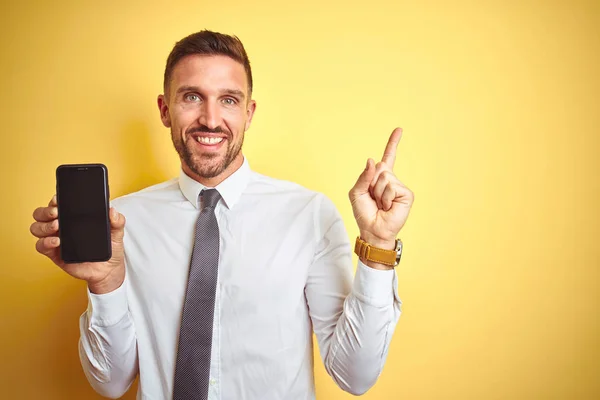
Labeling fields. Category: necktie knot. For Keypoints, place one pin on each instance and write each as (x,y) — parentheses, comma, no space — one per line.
(210,198)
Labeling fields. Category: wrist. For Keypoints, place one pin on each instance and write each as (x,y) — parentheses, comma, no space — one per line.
(386,244)
(108,284)
(375,243)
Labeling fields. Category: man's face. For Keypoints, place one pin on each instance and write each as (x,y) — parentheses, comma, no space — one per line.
(208,110)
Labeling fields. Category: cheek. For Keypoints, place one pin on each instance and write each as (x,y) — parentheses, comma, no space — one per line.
(182,120)
(235,122)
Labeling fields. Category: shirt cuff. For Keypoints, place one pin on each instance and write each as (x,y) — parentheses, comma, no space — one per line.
(109,308)
(375,287)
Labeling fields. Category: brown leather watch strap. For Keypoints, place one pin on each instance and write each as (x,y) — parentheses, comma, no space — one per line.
(370,253)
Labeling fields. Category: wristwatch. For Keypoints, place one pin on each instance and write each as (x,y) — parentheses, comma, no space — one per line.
(387,257)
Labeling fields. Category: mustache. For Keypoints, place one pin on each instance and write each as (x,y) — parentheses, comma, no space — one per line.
(206,129)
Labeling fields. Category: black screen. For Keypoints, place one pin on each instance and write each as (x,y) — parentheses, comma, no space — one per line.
(82,193)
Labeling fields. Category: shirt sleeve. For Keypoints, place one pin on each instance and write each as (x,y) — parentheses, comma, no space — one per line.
(353,320)
(108,345)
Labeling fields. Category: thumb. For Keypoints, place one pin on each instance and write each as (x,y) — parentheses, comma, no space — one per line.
(364,180)
(117,225)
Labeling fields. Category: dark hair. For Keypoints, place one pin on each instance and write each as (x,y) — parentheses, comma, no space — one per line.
(208,43)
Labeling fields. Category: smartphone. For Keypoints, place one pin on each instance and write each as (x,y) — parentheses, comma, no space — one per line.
(82,194)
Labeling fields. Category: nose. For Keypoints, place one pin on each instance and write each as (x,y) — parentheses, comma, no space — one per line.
(209,115)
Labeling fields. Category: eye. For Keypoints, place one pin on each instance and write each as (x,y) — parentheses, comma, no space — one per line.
(192,97)
(229,101)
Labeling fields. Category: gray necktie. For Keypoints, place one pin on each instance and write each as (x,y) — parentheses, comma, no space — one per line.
(192,369)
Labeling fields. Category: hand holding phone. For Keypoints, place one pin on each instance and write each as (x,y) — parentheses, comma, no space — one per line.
(102,276)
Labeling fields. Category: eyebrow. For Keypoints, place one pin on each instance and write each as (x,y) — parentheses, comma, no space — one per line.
(231,92)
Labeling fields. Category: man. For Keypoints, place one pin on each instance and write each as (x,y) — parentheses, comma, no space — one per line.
(219,277)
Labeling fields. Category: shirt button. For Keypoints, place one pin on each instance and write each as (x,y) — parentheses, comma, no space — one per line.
(213,381)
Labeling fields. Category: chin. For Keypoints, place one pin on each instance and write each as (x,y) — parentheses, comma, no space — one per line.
(208,169)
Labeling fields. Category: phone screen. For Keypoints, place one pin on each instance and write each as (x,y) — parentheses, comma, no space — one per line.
(83,203)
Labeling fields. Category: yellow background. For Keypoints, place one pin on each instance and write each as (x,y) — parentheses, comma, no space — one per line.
(499,102)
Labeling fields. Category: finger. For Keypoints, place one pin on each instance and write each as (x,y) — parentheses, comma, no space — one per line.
(362,184)
(117,225)
(404,196)
(53,202)
(379,168)
(44,229)
(45,214)
(391,177)
(388,196)
(389,155)
(47,246)
(379,188)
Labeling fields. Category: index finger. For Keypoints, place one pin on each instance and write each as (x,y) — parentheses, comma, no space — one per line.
(46,214)
(389,155)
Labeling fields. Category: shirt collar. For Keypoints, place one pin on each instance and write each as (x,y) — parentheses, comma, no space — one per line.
(230,189)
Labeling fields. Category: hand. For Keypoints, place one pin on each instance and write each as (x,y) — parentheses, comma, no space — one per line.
(380,202)
(102,277)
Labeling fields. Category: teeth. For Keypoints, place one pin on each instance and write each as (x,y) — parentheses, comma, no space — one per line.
(209,140)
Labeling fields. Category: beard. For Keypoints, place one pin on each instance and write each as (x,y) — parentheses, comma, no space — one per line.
(204,165)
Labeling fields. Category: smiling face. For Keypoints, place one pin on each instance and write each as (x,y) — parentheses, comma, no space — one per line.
(208,108)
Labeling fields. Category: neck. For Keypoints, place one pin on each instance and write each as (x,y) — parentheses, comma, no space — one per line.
(214,181)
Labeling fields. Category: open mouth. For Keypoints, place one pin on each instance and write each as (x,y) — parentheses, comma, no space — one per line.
(209,142)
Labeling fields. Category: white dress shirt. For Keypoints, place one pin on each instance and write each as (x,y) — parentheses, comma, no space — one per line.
(285,271)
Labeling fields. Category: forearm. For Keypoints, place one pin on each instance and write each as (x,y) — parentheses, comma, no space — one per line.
(108,345)
(359,344)
(353,317)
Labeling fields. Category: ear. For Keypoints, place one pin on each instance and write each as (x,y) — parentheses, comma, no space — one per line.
(163,107)
(250,112)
